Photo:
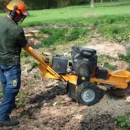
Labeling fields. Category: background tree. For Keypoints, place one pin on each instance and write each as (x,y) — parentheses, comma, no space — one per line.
(92,3)
(3,4)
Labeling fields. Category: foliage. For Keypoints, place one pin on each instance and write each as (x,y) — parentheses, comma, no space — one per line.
(109,66)
(3,4)
(104,61)
(115,28)
(46,4)
(27,61)
(21,103)
(102,58)
(124,122)
(116,33)
(36,76)
(24,53)
(34,64)
(124,57)
(39,4)
(62,35)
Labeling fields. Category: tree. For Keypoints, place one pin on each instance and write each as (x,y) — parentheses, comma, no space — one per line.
(92,3)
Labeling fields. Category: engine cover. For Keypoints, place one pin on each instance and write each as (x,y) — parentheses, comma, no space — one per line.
(84,60)
(59,64)
(81,68)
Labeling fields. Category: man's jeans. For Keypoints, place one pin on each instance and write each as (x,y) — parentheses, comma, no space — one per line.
(10,77)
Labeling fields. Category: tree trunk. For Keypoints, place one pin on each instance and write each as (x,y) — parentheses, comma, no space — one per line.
(101,1)
(92,3)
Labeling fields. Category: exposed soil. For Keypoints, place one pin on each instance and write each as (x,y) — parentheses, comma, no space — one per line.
(45,104)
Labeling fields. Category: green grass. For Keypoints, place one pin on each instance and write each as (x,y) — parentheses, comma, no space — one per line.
(111,20)
(125,57)
(34,64)
(73,12)
(62,35)
(83,14)
(107,12)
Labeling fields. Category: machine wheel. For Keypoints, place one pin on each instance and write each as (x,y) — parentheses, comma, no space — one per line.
(102,93)
(121,92)
(88,93)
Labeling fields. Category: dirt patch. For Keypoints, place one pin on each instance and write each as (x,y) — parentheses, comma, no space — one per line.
(111,49)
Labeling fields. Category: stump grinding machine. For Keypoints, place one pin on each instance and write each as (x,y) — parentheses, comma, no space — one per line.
(85,82)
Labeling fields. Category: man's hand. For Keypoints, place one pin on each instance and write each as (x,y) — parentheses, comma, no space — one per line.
(30,43)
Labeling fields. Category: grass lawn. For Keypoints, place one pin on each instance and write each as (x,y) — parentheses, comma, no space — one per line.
(82,14)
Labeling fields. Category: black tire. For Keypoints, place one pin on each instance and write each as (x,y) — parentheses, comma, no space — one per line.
(94,93)
(121,92)
(102,93)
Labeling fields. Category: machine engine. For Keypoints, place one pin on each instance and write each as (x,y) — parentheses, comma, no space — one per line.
(84,60)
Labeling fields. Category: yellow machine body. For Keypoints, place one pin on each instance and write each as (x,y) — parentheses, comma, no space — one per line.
(118,79)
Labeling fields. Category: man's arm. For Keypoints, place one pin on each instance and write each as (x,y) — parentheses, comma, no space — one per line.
(30,43)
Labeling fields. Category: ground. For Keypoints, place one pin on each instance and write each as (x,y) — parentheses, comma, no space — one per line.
(46,106)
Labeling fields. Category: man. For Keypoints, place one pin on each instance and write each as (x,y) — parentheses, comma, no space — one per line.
(12,40)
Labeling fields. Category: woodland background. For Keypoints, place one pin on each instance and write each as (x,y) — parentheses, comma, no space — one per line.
(47,4)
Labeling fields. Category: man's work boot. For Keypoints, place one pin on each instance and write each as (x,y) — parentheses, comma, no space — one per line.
(8,123)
